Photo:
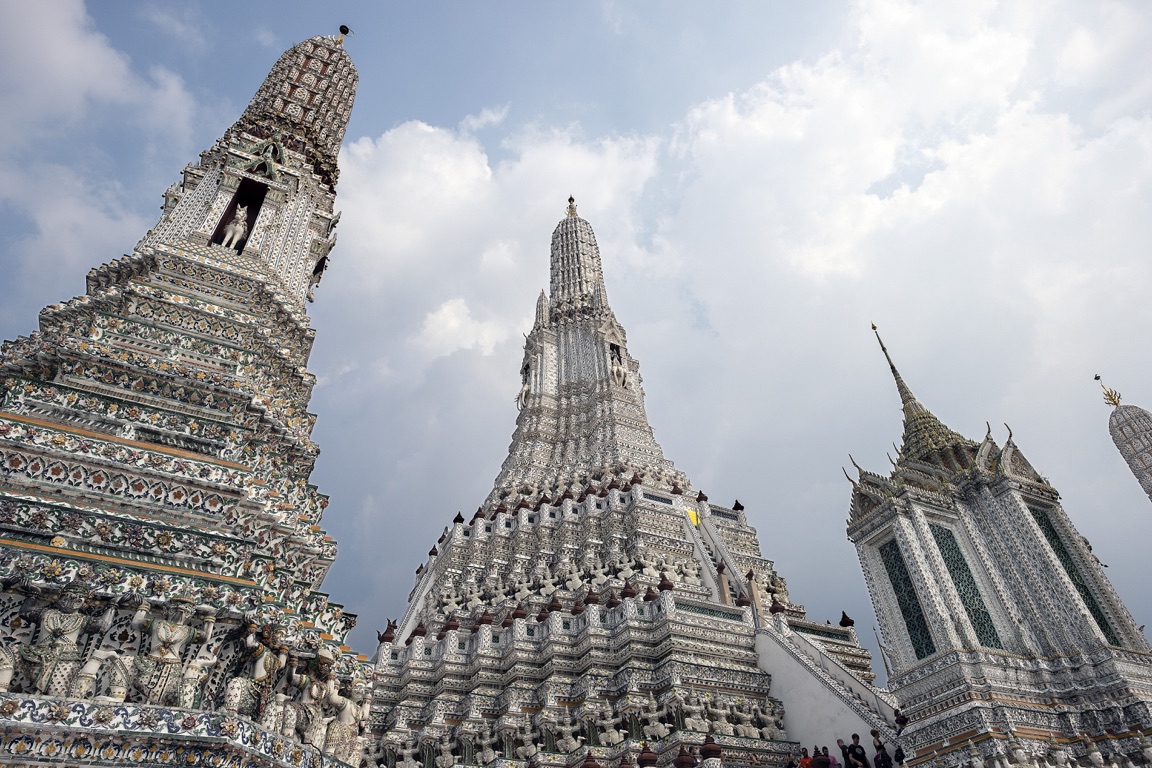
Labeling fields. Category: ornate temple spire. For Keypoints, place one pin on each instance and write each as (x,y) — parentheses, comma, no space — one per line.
(577,277)
(173,397)
(581,404)
(308,97)
(925,436)
(541,310)
(1131,429)
(261,199)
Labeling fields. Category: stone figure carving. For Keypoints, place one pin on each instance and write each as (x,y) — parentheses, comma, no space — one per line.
(547,584)
(269,155)
(568,738)
(55,664)
(316,276)
(690,572)
(9,659)
(472,597)
(525,385)
(610,734)
(449,602)
(1056,755)
(626,571)
(445,758)
(315,685)
(778,586)
(1145,749)
(654,729)
(719,719)
(771,721)
(599,573)
(523,589)
(408,756)
(619,372)
(975,759)
(487,741)
(158,677)
(528,745)
(694,719)
(237,229)
(249,693)
(744,725)
(648,565)
(1095,757)
(1017,753)
(342,739)
(575,580)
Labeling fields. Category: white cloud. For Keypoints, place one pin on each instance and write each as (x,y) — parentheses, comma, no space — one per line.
(452,328)
(67,68)
(178,23)
(266,38)
(487,118)
(72,82)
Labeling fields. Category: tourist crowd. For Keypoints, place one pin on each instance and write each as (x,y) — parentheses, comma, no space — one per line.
(852,755)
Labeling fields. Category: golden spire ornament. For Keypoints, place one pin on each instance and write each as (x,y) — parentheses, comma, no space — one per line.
(1111,396)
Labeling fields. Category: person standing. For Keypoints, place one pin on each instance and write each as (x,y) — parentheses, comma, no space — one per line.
(854,754)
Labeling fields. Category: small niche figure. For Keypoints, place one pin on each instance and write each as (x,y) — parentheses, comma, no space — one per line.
(619,372)
(525,386)
(237,229)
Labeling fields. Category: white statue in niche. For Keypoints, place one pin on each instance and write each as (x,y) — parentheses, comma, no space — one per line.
(237,229)
(619,372)
(525,385)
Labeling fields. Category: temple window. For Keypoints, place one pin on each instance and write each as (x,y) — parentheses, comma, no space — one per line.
(908,600)
(250,196)
(966,587)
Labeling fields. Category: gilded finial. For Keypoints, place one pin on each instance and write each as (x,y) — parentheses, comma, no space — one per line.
(343,32)
(1111,396)
(571,206)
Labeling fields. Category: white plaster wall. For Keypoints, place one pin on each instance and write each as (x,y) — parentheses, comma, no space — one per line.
(813,714)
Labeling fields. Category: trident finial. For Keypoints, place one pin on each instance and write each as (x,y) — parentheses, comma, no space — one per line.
(571,207)
(1111,396)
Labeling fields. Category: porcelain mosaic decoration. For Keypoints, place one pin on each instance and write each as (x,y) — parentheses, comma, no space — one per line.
(160,546)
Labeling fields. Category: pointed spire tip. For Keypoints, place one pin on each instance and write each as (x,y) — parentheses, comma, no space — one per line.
(1111,396)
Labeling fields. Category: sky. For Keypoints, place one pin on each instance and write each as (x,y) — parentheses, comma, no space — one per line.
(765,179)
